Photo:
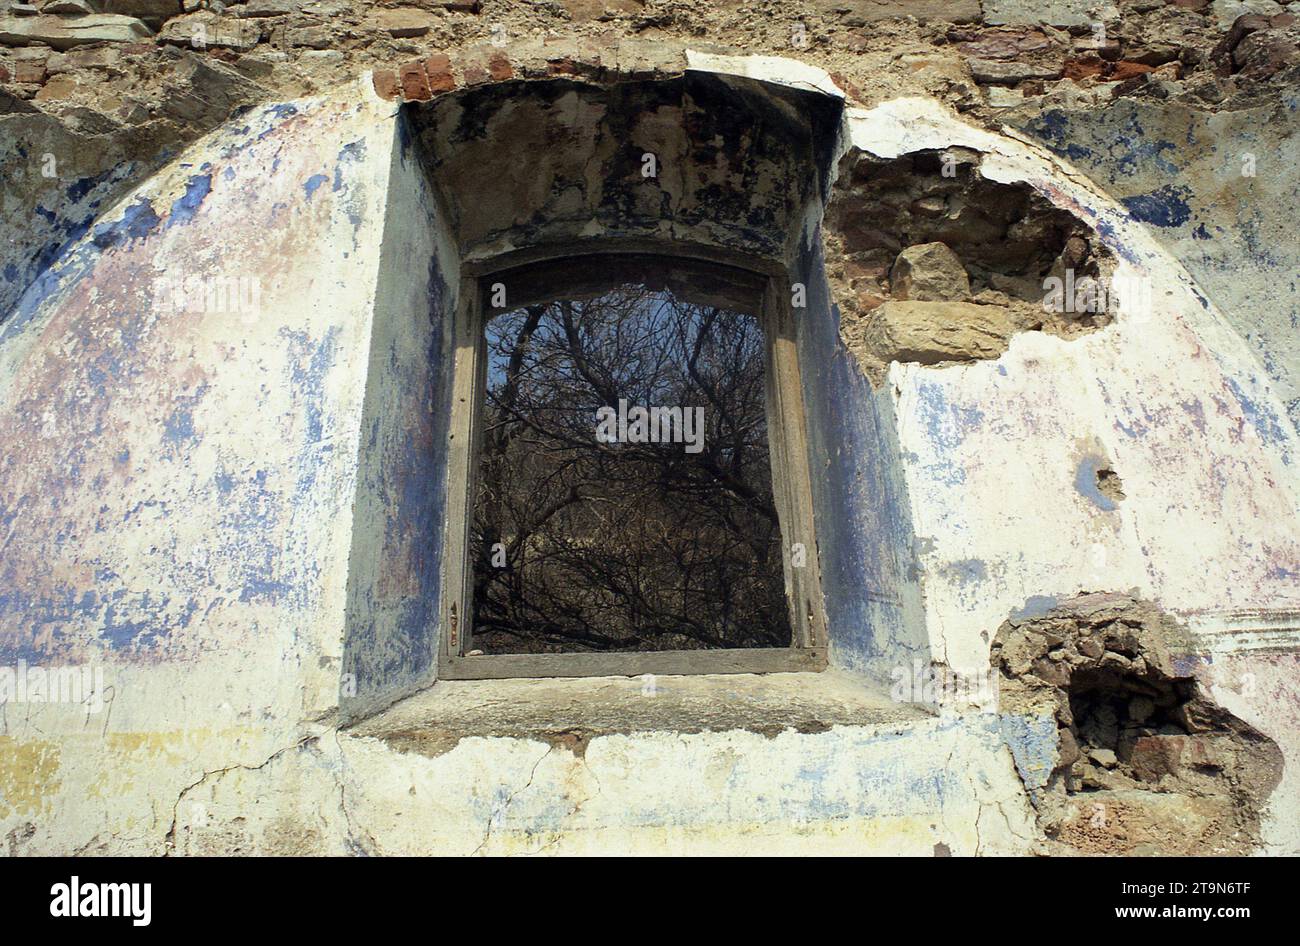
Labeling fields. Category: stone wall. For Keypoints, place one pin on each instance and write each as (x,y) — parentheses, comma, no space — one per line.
(108,89)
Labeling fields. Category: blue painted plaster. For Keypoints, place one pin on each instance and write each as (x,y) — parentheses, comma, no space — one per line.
(1165,207)
(1036,606)
(187,205)
(1085,483)
(1262,418)
(861,513)
(1033,743)
(245,556)
(311,185)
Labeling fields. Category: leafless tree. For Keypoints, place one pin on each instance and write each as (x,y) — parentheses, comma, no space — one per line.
(585,545)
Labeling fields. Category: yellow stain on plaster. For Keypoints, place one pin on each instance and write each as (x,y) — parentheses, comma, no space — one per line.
(128,756)
(28,776)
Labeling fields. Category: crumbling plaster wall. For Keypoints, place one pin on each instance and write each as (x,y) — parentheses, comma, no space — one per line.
(140,79)
(1210,186)
(917,787)
(1171,399)
(1130,397)
(179,472)
(132,395)
(1146,760)
(278,781)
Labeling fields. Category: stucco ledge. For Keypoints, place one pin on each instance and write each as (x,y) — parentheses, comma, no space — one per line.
(571,712)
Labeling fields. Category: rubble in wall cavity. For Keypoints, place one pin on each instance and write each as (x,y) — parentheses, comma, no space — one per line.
(934,264)
(1146,762)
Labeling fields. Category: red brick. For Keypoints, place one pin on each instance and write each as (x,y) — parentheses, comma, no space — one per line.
(415,84)
(438,69)
(385,81)
(1082,68)
(499,67)
(475,74)
(1127,70)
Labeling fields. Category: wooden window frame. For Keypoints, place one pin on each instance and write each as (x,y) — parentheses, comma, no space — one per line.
(769,298)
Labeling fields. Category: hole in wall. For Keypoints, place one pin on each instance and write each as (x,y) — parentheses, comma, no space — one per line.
(936,265)
(1145,761)
(1110,485)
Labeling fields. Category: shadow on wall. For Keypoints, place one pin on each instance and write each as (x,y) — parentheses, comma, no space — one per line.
(700,159)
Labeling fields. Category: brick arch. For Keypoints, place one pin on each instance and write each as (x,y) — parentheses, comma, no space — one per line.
(597,60)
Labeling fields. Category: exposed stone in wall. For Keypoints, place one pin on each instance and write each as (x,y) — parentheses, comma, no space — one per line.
(161,72)
(932,263)
(1146,761)
(1110,485)
(929,272)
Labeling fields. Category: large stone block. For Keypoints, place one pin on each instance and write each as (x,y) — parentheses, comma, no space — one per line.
(204,30)
(1034,12)
(401,22)
(929,272)
(933,332)
(858,12)
(144,8)
(258,9)
(995,71)
(64,33)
